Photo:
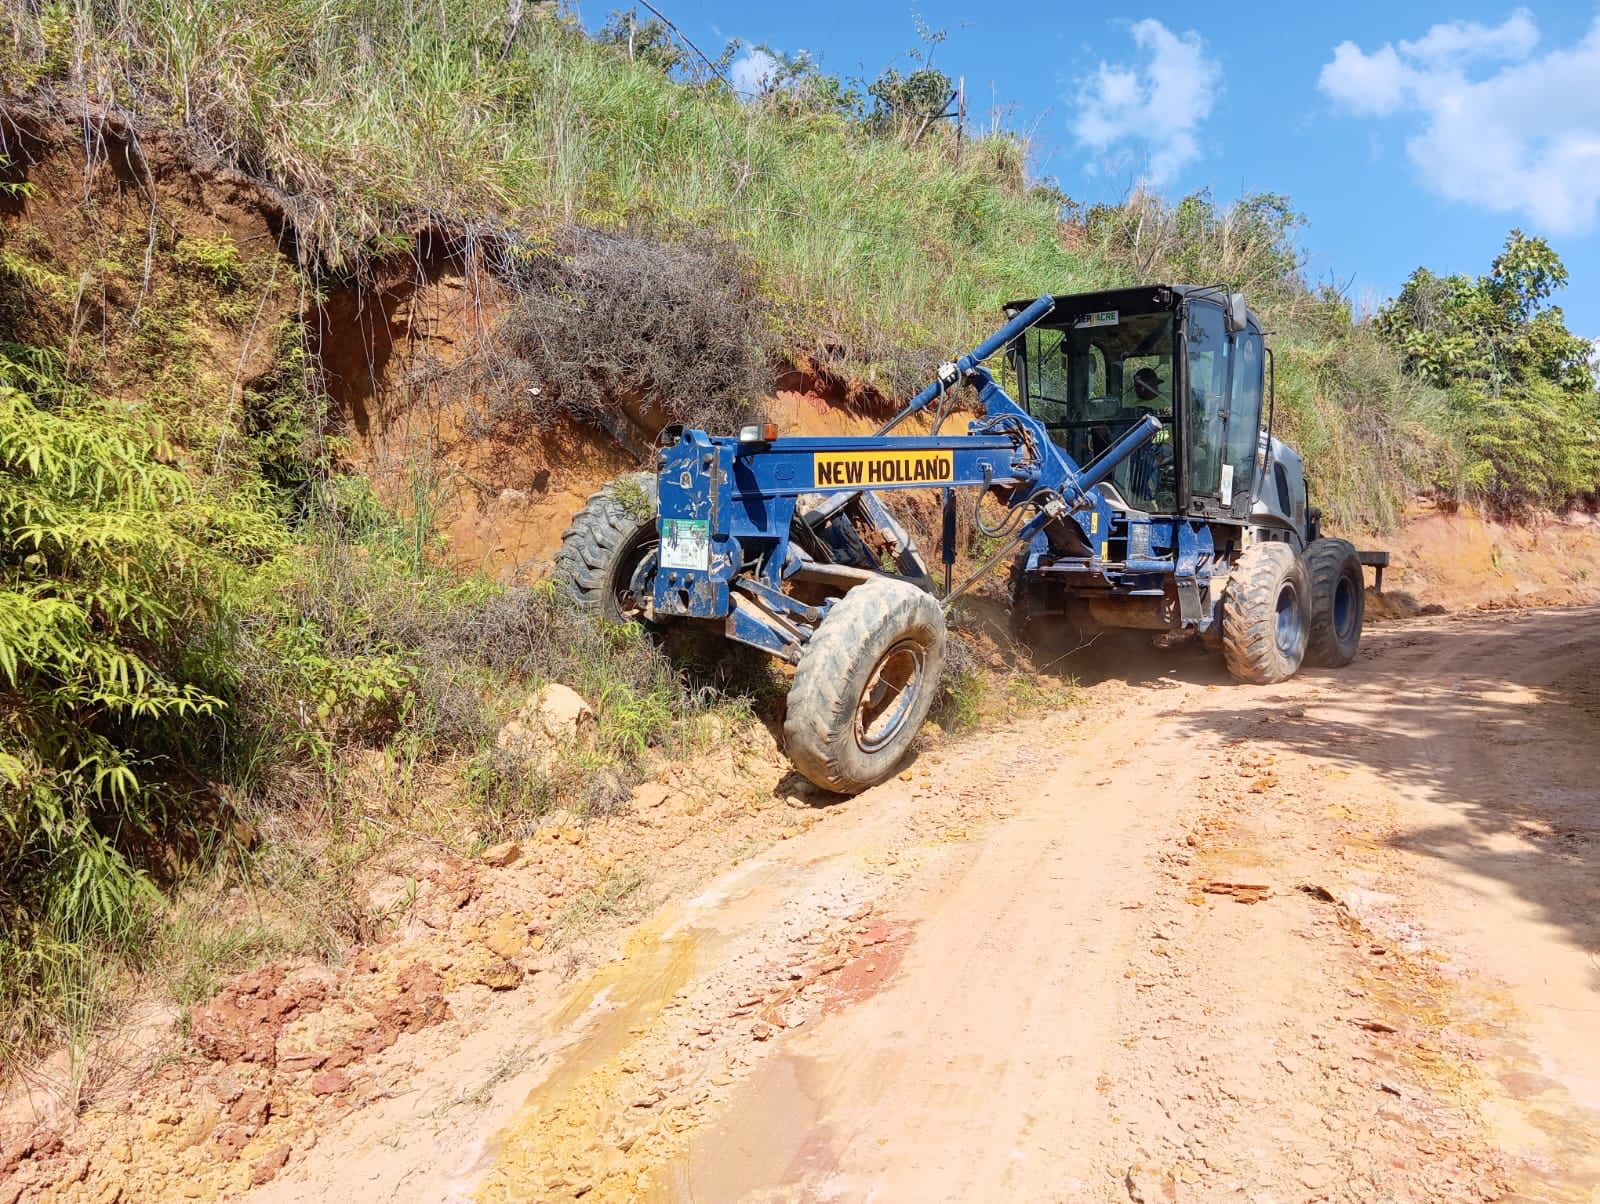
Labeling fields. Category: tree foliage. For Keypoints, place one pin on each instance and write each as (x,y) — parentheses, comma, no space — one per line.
(1519,380)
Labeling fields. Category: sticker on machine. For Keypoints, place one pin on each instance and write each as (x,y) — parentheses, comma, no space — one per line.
(685,543)
(881,468)
(1104,317)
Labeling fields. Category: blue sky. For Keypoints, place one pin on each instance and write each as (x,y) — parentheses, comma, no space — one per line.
(1409,134)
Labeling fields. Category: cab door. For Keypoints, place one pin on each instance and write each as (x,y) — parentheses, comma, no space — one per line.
(1243,427)
(1223,373)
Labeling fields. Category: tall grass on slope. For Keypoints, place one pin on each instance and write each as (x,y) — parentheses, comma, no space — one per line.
(370,114)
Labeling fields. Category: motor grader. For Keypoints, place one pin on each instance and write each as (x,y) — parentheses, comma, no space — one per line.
(1143,489)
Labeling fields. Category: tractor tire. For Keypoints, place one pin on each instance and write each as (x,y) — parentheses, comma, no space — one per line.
(1266,614)
(864,685)
(609,537)
(1338,602)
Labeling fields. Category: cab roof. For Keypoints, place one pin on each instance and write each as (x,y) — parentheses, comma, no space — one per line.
(1144,298)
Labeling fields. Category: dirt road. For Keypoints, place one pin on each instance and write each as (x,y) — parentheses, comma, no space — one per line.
(1337,939)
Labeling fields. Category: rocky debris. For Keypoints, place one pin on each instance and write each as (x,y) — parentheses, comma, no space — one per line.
(1149,1184)
(1240,892)
(269,1164)
(418,1003)
(251,1109)
(499,976)
(242,1023)
(230,1140)
(501,855)
(507,937)
(329,1082)
(331,1036)
(552,720)
(648,795)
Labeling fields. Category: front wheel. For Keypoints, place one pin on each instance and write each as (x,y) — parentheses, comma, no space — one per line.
(864,684)
(609,539)
(1266,614)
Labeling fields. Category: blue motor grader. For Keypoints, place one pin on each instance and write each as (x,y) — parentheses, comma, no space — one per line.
(1143,489)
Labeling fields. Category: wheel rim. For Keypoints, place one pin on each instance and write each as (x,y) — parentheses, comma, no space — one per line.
(1291,624)
(890,695)
(640,546)
(1344,609)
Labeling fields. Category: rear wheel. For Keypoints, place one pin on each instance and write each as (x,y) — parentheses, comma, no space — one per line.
(1266,614)
(1338,602)
(864,685)
(610,538)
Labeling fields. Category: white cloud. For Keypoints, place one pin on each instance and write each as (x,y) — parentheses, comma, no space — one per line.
(1465,41)
(1372,85)
(1154,107)
(752,72)
(1499,127)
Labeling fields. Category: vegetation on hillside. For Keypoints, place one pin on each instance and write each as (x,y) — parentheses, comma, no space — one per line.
(190,661)
(372,116)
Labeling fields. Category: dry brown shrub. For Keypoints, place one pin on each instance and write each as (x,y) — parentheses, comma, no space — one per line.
(612,324)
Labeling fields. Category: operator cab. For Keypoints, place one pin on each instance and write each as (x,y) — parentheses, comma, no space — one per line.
(1193,357)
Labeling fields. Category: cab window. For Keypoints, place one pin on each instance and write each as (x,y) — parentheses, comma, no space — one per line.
(1089,381)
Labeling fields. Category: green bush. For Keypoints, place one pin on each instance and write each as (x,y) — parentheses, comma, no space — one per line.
(1535,444)
(118,580)
(177,650)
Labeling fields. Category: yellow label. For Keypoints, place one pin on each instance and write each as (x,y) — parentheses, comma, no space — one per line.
(1094,522)
(878,468)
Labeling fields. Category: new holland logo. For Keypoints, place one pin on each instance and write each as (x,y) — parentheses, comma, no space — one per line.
(880,468)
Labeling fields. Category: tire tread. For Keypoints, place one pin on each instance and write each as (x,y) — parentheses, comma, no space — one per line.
(591,545)
(1327,560)
(819,726)
(1249,613)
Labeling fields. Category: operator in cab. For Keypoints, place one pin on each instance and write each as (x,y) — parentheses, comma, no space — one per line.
(1147,387)
(1150,476)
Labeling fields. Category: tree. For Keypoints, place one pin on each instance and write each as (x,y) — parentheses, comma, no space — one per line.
(648,41)
(1494,330)
(904,106)
(1519,380)
(795,83)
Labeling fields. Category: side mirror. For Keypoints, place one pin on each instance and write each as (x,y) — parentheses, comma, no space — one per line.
(1238,313)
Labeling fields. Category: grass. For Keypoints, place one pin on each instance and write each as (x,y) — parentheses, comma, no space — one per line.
(618,893)
(352,690)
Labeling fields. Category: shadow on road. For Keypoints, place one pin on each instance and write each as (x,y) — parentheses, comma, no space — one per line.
(1495,717)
